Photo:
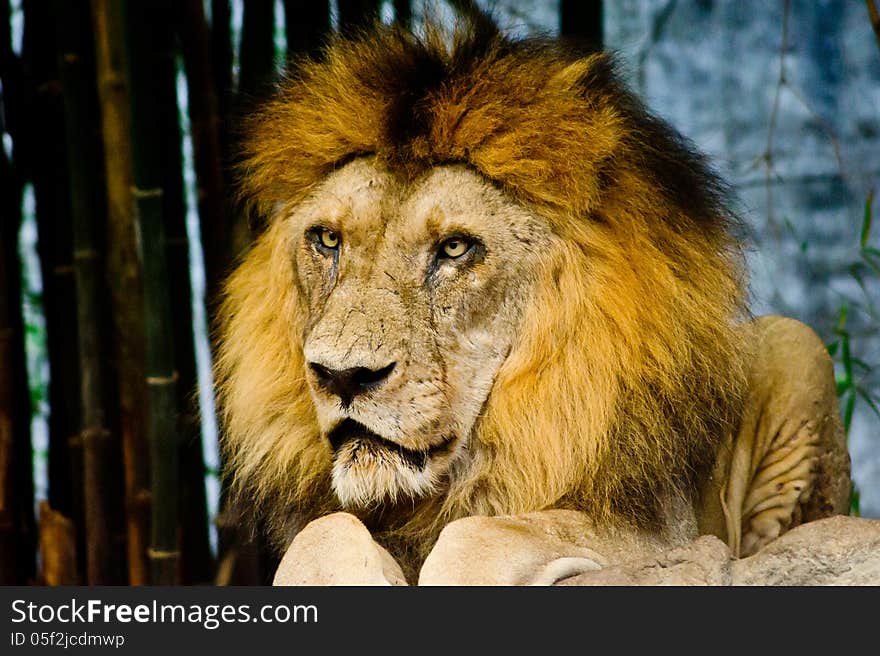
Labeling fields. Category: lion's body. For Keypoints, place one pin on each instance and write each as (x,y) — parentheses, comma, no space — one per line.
(586,352)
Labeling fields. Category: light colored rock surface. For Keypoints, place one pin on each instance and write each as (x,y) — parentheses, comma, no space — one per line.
(337,550)
(705,561)
(833,551)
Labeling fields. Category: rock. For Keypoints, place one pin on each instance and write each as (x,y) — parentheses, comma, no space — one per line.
(705,561)
(337,549)
(833,551)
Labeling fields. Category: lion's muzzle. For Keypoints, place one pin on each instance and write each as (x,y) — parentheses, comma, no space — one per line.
(361,440)
(368,467)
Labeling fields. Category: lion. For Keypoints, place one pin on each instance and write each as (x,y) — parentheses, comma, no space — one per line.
(496,329)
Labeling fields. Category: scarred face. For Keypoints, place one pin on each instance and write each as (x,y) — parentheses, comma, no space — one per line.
(414,294)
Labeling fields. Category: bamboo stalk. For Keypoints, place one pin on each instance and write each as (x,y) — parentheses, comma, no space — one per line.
(196,564)
(9,539)
(147,36)
(245,558)
(582,21)
(257,74)
(16,486)
(126,284)
(306,26)
(41,153)
(84,159)
(57,547)
(403,13)
(355,15)
(205,123)
(10,206)
(257,52)
(221,66)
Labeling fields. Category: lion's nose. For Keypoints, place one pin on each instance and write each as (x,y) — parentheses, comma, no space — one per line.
(348,383)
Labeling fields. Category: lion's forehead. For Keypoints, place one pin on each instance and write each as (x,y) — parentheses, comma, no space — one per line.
(367,201)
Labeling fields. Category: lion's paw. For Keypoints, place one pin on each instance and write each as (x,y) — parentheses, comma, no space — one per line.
(502,551)
(337,550)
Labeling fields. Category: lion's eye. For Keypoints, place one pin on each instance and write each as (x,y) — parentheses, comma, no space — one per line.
(455,247)
(329,239)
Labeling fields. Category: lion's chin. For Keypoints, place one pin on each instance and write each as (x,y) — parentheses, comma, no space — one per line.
(368,470)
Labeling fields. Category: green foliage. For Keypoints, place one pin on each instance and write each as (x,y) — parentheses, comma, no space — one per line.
(853,373)
(34,334)
(854,509)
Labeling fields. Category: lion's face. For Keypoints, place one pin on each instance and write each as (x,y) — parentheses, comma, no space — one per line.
(562,335)
(414,293)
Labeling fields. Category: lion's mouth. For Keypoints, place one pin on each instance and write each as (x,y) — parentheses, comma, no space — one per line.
(360,440)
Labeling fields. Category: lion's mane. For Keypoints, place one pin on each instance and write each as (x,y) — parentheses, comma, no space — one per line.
(628,371)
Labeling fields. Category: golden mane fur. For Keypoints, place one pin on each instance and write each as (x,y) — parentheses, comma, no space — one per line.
(628,371)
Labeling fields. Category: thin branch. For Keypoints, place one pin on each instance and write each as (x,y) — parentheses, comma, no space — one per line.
(658,26)
(767,155)
(825,125)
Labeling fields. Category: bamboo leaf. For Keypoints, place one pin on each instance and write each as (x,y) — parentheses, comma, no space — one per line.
(867,397)
(861,364)
(868,259)
(846,358)
(867,220)
(841,318)
(848,411)
(857,271)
